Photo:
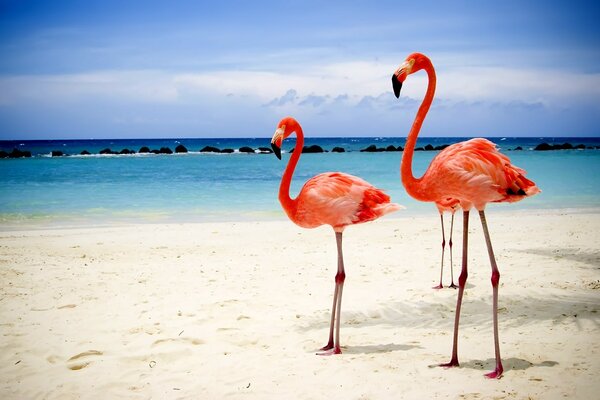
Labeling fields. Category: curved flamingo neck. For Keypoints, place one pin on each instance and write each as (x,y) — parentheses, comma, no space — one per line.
(289,204)
(412,184)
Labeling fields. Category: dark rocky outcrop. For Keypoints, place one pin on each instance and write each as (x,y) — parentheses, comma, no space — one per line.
(564,146)
(419,149)
(246,149)
(16,153)
(441,147)
(428,147)
(165,150)
(372,149)
(543,147)
(154,151)
(181,149)
(57,153)
(518,148)
(209,149)
(3,154)
(85,153)
(144,149)
(127,151)
(107,151)
(227,151)
(338,150)
(312,149)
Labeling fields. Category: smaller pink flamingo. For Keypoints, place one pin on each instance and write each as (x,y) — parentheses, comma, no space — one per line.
(331,198)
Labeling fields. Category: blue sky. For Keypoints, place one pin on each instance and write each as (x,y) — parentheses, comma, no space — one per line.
(117,69)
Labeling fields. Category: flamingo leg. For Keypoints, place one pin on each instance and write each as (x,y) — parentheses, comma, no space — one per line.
(329,344)
(462,280)
(452,285)
(440,286)
(333,347)
(497,372)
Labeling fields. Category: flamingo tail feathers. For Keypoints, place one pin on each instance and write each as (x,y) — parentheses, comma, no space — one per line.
(375,204)
(518,186)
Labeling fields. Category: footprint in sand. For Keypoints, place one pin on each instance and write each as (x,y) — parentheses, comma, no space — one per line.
(81,360)
(192,341)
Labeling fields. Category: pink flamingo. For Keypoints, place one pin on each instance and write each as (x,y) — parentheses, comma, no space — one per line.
(474,173)
(331,198)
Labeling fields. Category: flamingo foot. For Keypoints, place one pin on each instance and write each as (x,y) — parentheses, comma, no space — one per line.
(495,374)
(453,286)
(453,363)
(440,286)
(330,351)
(328,346)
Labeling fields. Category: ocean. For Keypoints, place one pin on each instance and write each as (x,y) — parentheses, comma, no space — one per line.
(196,187)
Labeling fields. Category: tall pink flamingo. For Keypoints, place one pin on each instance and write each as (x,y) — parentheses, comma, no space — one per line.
(330,198)
(473,172)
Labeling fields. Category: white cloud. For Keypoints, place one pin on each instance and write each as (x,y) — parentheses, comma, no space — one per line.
(522,85)
(344,97)
(354,78)
(315,85)
(314,100)
(289,97)
(137,86)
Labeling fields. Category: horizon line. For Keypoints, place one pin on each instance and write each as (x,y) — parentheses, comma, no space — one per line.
(306,138)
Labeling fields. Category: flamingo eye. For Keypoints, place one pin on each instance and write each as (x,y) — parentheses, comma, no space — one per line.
(279,136)
(280,132)
(408,66)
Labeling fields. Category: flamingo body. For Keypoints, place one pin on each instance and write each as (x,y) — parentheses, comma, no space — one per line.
(473,173)
(339,200)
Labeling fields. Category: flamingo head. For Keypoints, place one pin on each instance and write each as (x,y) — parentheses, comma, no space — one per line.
(412,64)
(284,129)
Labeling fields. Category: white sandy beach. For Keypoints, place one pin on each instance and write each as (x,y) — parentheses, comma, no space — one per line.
(237,310)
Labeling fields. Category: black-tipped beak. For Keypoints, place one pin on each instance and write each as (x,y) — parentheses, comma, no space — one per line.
(397,85)
(276,150)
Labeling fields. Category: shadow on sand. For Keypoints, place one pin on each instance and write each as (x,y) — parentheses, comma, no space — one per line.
(509,364)
(379,348)
(590,258)
(516,311)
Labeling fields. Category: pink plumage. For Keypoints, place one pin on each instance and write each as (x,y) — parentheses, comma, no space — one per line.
(475,173)
(339,200)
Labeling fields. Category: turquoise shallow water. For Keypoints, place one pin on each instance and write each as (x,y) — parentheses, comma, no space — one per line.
(217,187)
